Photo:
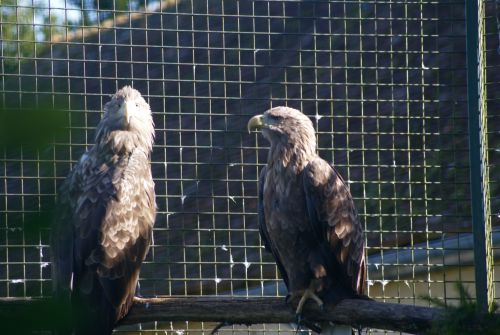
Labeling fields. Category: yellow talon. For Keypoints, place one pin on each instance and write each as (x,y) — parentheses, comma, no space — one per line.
(308,294)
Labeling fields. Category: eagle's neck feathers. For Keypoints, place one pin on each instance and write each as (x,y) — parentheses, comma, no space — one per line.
(292,156)
(124,142)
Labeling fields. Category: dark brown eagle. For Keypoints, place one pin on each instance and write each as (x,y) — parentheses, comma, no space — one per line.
(307,217)
(106,211)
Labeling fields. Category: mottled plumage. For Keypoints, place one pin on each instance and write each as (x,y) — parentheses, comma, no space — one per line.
(106,211)
(307,217)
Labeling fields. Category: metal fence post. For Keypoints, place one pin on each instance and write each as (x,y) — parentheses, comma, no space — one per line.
(478,159)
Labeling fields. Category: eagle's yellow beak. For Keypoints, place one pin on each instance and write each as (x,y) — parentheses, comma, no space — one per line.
(127,111)
(255,122)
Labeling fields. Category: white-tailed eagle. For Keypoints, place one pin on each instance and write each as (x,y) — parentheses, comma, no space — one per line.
(307,217)
(105,215)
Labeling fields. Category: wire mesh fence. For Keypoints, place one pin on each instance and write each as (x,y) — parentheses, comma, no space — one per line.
(383,81)
(491,23)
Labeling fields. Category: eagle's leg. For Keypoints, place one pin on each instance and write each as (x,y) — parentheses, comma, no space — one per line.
(309,293)
(297,295)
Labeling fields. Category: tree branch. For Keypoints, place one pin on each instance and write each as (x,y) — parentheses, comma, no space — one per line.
(365,313)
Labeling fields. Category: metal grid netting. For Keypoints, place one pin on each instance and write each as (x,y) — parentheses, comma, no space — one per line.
(490,17)
(383,81)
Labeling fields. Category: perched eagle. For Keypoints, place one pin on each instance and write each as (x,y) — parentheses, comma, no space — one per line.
(307,218)
(106,211)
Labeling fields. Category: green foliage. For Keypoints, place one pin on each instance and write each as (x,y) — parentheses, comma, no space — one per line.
(34,316)
(26,27)
(465,319)
(17,34)
(34,125)
(32,128)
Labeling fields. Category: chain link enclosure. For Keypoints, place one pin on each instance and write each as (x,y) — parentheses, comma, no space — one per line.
(383,81)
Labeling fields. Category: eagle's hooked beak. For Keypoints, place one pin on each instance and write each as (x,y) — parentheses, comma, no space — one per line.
(127,111)
(256,122)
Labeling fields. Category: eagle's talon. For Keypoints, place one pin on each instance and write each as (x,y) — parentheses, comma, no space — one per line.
(308,294)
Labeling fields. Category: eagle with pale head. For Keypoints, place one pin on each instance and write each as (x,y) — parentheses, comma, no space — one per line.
(105,215)
(307,216)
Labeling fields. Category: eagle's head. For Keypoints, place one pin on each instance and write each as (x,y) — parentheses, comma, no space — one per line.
(284,126)
(127,116)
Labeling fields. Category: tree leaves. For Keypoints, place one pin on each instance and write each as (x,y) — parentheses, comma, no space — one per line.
(465,318)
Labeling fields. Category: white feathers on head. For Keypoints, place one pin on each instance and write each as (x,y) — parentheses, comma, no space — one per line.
(289,125)
(129,114)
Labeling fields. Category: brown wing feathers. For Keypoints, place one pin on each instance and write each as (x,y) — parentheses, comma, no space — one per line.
(107,211)
(334,219)
(264,234)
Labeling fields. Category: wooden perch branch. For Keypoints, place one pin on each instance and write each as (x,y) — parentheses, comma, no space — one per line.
(371,314)
(406,318)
